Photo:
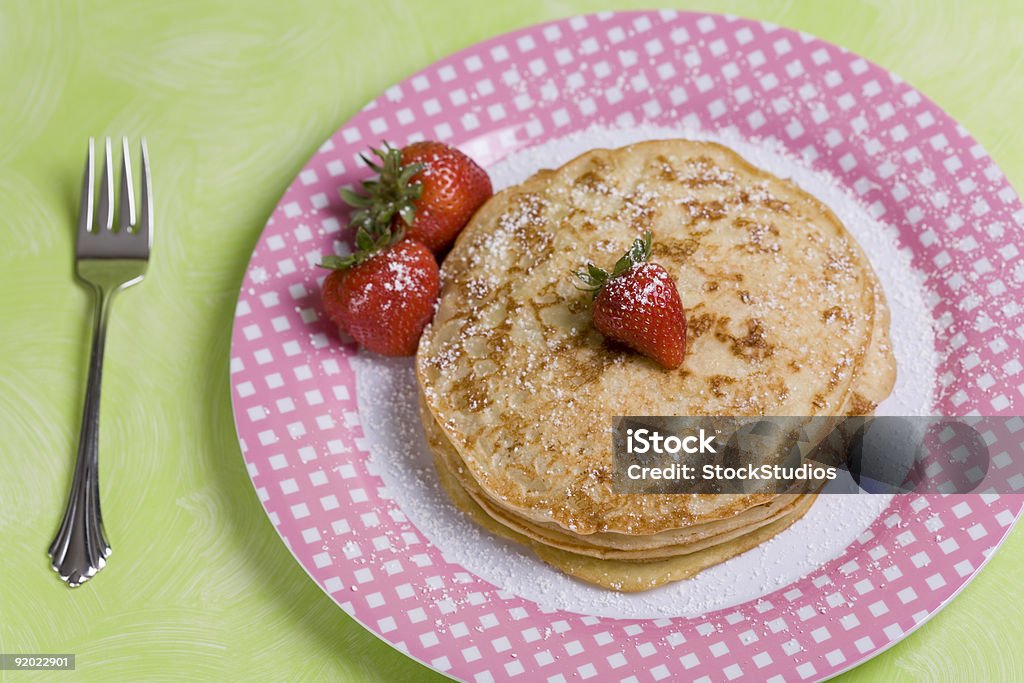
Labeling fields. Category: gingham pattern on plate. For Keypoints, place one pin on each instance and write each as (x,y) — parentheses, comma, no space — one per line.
(912,166)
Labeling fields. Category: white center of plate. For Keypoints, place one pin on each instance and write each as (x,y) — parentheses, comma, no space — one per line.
(388,406)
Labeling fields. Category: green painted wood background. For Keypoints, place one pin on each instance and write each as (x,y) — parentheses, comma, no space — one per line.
(234,98)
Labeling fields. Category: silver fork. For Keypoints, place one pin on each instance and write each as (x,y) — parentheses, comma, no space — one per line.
(109,260)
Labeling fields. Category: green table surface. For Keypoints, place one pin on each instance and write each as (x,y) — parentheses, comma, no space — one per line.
(234,99)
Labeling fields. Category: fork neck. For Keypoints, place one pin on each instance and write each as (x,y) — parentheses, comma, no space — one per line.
(101,314)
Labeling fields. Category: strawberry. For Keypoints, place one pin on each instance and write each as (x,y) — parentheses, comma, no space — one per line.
(428,188)
(638,305)
(454,187)
(384,294)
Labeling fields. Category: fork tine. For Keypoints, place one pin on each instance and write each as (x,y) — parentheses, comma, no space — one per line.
(145,227)
(106,204)
(86,199)
(126,202)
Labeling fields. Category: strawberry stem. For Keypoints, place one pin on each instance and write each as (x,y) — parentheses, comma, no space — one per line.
(388,195)
(594,278)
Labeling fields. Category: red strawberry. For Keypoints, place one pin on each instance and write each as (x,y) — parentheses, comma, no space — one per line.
(383,296)
(428,189)
(638,305)
(454,187)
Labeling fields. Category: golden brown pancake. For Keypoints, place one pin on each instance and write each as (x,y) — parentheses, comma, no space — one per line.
(785,317)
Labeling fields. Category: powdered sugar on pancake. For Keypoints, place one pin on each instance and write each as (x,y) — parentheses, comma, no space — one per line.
(913,339)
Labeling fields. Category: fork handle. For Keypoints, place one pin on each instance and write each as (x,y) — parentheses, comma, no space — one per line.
(80,547)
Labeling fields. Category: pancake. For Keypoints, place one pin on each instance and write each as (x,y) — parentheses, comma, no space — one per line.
(631,577)
(779,298)
(621,575)
(626,569)
(606,545)
(785,317)
(874,382)
(876,376)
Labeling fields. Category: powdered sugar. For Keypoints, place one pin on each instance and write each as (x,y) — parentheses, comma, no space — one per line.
(401,277)
(655,283)
(388,405)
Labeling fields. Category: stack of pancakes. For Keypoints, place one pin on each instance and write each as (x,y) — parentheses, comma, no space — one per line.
(518,390)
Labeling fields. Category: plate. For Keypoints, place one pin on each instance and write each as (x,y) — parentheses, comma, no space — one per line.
(336,460)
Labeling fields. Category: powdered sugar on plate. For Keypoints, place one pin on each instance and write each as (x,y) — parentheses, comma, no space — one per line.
(388,404)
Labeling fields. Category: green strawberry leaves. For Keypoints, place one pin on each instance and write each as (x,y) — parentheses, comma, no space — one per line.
(392,193)
(594,278)
(366,246)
